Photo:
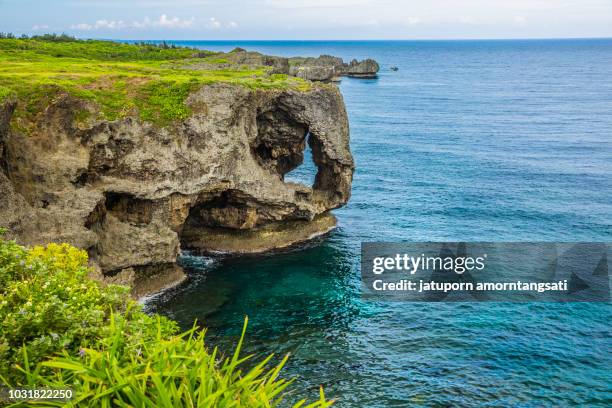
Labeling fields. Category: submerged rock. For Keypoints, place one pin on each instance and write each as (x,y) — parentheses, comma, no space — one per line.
(132,193)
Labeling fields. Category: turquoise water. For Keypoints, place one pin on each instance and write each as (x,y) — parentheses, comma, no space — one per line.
(468,141)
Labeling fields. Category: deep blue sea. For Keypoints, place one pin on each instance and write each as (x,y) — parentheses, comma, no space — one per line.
(467,141)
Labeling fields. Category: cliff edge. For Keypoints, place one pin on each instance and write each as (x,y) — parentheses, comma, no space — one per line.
(133,192)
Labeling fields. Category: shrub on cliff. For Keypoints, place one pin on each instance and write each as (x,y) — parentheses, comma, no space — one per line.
(47,304)
(59,329)
(63,37)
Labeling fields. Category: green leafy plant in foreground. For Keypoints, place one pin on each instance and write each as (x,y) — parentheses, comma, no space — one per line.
(169,372)
(60,329)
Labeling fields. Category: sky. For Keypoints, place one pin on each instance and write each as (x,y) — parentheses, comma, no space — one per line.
(309,19)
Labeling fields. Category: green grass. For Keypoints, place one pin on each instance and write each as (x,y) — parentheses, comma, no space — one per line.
(4,92)
(141,80)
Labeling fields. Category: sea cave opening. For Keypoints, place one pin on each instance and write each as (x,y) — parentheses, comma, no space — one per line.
(285,146)
(306,172)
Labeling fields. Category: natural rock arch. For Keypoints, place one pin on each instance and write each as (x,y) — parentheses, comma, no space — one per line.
(132,193)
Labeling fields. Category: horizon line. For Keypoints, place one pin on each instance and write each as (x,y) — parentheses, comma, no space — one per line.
(604,37)
(358,40)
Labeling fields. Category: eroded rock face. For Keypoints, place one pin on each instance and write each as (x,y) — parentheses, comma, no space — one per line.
(361,69)
(133,194)
(323,68)
(327,67)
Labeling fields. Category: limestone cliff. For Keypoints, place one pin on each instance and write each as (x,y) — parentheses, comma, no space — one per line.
(133,193)
(327,68)
(322,68)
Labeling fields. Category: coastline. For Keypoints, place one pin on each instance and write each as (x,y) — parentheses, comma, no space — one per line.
(198,165)
(464,142)
(259,240)
(262,241)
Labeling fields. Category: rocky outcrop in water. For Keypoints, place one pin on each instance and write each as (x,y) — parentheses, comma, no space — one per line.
(133,194)
(323,68)
(367,68)
(326,68)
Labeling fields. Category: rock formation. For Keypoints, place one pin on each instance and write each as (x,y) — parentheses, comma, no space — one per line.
(133,194)
(361,69)
(326,68)
(323,68)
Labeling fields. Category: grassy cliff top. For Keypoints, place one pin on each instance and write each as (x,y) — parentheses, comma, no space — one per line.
(151,81)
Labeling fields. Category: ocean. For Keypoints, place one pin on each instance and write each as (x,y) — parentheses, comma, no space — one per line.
(467,141)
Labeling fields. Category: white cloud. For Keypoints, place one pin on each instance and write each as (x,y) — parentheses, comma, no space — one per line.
(123,4)
(519,20)
(283,4)
(173,22)
(100,24)
(40,27)
(467,20)
(213,24)
(318,19)
(163,21)
(112,24)
(81,26)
